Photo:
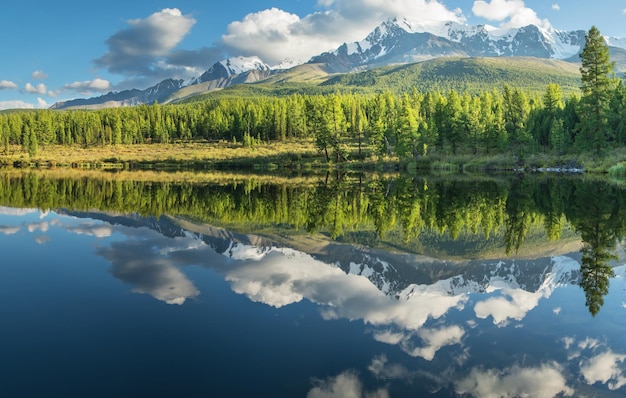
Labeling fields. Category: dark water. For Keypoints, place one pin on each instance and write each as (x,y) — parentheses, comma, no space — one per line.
(340,286)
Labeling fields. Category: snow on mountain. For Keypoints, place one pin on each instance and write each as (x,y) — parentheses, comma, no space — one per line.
(238,65)
(287,63)
(402,40)
(619,42)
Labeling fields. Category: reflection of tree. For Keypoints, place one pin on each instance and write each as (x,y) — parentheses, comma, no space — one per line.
(596,215)
(520,210)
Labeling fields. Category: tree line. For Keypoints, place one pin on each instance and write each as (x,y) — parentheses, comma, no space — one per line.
(407,125)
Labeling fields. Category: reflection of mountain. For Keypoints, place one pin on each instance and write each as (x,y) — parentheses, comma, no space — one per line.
(395,274)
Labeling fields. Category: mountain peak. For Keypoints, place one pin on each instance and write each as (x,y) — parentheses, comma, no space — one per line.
(401,40)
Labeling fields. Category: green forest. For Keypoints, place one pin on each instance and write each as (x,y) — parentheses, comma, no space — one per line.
(349,126)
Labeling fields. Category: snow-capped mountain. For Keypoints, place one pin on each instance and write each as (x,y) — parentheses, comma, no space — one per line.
(233,66)
(400,40)
(222,74)
(394,41)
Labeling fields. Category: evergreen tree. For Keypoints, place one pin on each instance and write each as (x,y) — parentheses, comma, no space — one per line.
(595,70)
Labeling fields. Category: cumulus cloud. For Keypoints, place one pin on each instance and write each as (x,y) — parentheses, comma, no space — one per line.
(99,85)
(556,7)
(605,368)
(7,85)
(18,104)
(345,385)
(544,381)
(136,49)
(39,75)
(38,89)
(42,102)
(274,34)
(510,13)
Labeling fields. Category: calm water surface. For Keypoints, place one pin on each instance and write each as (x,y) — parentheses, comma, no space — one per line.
(385,286)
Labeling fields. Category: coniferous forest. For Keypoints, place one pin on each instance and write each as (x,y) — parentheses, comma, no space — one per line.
(407,125)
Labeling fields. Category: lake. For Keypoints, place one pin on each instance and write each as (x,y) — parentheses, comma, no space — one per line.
(196,285)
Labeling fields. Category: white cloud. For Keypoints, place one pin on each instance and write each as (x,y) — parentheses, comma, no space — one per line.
(274,34)
(39,75)
(624,11)
(511,13)
(136,49)
(38,89)
(544,381)
(345,385)
(605,368)
(97,84)
(41,102)
(556,7)
(7,85)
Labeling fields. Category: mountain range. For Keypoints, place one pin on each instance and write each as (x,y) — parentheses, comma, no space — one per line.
(395,41)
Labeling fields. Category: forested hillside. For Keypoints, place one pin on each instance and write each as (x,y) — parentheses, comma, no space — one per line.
(407,125)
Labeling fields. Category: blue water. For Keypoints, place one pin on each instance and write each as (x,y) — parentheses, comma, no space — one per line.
(94,309)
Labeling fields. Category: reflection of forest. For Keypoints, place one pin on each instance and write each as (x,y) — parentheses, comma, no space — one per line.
(455,216)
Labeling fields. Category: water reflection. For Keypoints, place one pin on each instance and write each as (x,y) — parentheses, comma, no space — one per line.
(487,320)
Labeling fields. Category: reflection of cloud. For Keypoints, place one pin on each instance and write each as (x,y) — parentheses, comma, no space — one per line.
(382,369)
(521,301)
(41,239)
(589,343)
(285,276)
(99,231)
(12,211)
(605,368)
(502,309)
(544,381)
(6,230)
(136,263)
(434,340)
(345,385)
(388,337)
(567,342)
(41,226)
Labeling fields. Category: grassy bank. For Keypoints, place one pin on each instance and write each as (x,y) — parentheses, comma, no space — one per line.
(301,156)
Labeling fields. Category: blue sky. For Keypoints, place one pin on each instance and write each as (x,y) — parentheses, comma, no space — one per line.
(69,49)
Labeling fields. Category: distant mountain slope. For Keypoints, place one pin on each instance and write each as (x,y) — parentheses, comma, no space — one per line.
(159,93)
(470,75)
(466,74)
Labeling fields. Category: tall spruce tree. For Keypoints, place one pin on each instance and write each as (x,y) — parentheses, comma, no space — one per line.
(596,68)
